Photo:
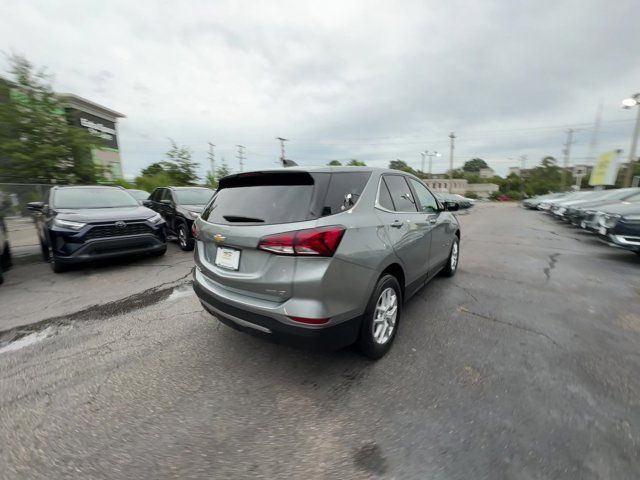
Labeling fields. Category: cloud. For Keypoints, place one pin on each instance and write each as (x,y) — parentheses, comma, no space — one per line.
(368,80)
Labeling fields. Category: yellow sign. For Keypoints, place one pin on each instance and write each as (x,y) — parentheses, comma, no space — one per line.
(605,170)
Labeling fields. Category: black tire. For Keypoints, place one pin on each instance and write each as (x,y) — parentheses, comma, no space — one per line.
(367,342)
(6,259)
(1,275)
(185,240)
(159,253)
(451,267)
(56,266)
(45,251)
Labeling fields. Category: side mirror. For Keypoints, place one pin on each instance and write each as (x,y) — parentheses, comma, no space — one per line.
(451,206)
(35,206)
(165,201)
(147,203)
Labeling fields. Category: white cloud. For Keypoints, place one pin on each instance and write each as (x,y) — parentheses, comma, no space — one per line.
(367,80)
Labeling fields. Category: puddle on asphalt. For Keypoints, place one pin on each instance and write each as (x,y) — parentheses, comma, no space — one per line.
(28,340)
(180,292)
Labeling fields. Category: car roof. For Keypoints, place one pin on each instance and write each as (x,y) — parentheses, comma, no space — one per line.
(60,187)
(188,188)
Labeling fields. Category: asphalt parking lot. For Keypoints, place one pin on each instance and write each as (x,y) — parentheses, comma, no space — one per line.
(524,365)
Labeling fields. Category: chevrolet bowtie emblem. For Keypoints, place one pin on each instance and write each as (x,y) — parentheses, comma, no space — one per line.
(219,238)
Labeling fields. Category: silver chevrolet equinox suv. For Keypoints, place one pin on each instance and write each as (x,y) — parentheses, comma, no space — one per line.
(321,256)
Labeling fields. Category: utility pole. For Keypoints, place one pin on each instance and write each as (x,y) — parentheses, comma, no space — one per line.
(282,156)
(240,156)
(212,159)
(451,148)
(567,155)
(422,155)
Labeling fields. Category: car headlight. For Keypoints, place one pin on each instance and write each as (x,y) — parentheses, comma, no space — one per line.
(609,221)
(68,224)
(561,210)
(157,218)
(194,215)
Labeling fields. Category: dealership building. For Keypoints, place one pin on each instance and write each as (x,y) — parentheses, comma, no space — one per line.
(100,121)
(97,119)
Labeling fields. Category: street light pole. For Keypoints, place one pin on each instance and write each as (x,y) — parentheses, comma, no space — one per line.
(430,155)
(628,103)
(452,137)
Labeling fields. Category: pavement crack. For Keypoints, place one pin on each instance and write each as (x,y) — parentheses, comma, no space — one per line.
(553,259)
(466,290)
(122,306)
(503,322)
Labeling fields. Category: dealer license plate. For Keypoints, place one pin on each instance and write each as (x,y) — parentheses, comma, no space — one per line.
(228,258)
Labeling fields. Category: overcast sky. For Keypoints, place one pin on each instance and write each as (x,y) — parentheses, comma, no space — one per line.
(368,80)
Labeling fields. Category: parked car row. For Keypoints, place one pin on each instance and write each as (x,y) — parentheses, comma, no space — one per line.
(613,215)
(77,224)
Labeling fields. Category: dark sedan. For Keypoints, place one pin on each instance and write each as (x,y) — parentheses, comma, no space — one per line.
(620,227)
(577,213)
(79,224)
(180,206)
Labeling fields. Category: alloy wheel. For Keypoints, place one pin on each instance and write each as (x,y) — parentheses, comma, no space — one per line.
(182,236)
(454,256)
(385,315)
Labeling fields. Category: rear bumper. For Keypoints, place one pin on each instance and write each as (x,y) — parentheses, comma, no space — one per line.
(237,316)
(114,247)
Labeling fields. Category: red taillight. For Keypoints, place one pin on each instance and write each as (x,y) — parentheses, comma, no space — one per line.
(194,230)
(319,242)
(310,321)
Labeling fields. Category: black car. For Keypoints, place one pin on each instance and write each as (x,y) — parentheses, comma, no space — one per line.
(78,224)
(139,195)
(620,227)
(576,214)
(180,206)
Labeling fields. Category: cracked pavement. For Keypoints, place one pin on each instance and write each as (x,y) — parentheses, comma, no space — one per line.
(524,365)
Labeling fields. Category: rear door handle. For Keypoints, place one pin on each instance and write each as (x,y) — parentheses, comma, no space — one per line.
(397,224)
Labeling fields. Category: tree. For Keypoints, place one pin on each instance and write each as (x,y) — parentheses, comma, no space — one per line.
(37,143)
(185,172)
(401,165)
(223,170)
(474,165)
(334,163)
(356,163)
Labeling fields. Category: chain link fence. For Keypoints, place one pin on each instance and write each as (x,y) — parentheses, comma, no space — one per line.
(19,221)
(15,196)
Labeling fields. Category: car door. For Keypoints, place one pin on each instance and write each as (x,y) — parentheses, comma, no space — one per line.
(407,229)
(167,207)
(439,225)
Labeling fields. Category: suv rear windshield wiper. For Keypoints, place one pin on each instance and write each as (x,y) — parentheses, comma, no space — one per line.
(237,218)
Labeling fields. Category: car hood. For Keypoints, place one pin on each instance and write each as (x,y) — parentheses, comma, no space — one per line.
(194,208)
(94,215)
(621,208)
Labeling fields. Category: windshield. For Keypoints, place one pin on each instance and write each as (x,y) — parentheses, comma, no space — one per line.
(139,194)
(78,198)
(195,196)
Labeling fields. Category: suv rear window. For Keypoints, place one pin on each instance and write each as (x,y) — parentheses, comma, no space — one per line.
(284,197)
